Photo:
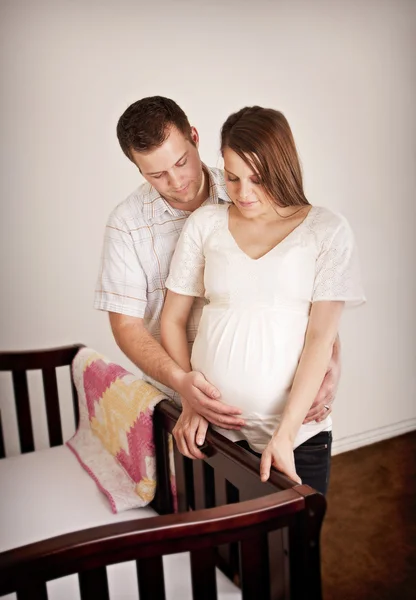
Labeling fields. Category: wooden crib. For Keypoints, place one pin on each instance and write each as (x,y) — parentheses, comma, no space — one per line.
(263,536)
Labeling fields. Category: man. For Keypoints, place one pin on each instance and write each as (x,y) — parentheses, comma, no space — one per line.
(141,234)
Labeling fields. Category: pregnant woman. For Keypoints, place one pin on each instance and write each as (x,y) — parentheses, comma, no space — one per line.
(276,273)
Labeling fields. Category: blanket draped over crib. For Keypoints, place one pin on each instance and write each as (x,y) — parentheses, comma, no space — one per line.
(114,441)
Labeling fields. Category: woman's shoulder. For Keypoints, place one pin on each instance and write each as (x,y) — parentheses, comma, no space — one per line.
(326,221)
(205,216)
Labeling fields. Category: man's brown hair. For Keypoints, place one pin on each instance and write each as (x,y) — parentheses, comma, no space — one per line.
(145,125)
(263,139)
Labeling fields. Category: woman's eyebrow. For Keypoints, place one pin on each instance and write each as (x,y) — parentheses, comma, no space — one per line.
(230,172)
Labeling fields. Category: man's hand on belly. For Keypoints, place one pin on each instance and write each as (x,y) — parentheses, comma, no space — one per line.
(197,395)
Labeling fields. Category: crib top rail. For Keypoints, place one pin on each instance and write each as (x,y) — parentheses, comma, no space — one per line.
(38,359)
(47,361)
(219,450)
(146,538)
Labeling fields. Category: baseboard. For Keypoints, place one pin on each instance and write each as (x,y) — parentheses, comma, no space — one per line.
(352,442)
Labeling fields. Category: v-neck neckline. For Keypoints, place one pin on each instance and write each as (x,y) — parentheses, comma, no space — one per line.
(276,246)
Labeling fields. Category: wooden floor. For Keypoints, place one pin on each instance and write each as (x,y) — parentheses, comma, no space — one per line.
(369,533)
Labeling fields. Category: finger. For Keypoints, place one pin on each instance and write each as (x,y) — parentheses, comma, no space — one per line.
(216,406)
(201,432)
(265,464)
(205,387)
(190,441)
(320,415)
(289,471)
(323,415)
(181,444)
(313,413)
(296,477)
(311,416)
(323,392)
(224,422)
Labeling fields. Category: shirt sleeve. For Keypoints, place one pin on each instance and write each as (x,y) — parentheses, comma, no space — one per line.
(337,275)
(186,275)
(122,282)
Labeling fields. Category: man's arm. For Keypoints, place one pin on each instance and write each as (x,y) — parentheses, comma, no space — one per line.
(326,394)
(143,350)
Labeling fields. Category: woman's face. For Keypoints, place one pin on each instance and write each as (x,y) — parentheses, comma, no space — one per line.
(244,187)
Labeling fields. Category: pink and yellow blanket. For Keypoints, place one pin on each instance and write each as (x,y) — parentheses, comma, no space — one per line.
(114,440)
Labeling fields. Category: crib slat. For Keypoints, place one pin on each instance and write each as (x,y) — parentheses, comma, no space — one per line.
(93,584)
(163,501)
(151,579)
(2,450)
(226,493)
(24,419)
(279,563)
(74,401)
(255,575)
(204,581)
(204,485)
(184,481)
(34,592)
(53,416)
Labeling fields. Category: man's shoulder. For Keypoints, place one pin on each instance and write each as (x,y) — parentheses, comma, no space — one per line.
(131,209)
(217,175)
(218,181)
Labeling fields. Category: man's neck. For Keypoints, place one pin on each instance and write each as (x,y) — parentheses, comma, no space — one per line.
(203,192)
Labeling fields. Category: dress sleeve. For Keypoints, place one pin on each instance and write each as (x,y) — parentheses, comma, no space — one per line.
(337,275)
(186,274)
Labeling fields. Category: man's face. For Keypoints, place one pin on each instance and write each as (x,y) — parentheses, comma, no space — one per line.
(174,169)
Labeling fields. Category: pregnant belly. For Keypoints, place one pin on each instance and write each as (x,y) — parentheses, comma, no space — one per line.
(250,356)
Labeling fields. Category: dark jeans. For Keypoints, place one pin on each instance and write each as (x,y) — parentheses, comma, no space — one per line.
(312,460)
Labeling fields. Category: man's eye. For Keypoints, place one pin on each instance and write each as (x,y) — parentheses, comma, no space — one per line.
(183,163)
(157,176)
(231,179)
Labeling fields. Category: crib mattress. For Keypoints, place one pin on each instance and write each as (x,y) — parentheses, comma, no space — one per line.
(46,493)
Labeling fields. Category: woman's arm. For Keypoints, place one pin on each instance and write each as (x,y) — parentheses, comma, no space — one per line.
(175,315)
(322,405)
(191,427)
(316,355)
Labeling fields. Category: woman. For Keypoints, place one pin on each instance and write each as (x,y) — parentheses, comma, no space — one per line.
(277,273)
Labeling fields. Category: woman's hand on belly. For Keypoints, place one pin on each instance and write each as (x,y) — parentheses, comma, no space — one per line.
(279,453)
(190,429)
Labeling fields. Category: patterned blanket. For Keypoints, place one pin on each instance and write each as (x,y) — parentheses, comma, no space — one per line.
(114,440)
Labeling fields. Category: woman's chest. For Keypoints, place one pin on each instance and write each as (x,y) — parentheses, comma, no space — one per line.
(286,271)
(256,241)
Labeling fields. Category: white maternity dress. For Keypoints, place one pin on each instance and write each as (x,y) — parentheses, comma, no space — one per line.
(252,329)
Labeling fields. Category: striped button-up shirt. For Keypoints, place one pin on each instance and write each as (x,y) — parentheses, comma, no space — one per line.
(139,242)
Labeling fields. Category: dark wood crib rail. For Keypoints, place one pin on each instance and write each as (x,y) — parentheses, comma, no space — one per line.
(88,552)
(47,361)
(289,558)
(265,536)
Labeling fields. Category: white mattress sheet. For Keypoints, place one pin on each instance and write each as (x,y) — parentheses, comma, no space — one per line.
(47,493)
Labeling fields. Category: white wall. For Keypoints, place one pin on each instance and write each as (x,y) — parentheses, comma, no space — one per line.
(343,72)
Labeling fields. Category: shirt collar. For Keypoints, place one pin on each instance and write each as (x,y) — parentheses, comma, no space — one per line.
(155,207)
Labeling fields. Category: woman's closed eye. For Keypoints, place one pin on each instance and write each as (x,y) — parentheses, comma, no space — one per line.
(255,180)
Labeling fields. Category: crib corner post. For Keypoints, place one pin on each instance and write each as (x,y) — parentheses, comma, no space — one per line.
(163,500)
(304,547)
